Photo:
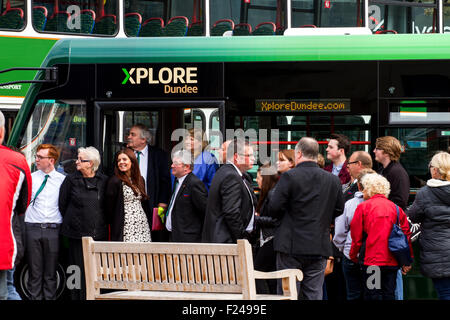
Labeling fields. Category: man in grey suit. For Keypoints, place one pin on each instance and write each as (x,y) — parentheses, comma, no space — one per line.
(231,201)
(306,200)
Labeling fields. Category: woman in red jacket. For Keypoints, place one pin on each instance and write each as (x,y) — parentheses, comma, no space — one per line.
(370,230)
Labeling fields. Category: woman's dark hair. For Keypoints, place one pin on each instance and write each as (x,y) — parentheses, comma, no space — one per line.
(136,182)
(268,182)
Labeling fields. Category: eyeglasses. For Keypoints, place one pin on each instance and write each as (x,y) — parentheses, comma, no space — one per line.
(349,163)
(41,157)
(246,155)
(83,160)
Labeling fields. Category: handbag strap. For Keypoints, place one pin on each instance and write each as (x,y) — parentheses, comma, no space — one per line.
(398,215)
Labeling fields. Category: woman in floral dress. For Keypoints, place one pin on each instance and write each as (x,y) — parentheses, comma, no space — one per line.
(125,200)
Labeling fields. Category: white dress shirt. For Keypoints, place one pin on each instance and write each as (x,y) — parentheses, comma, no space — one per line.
(143,164)
(250,224)
(172,203)
(45,208)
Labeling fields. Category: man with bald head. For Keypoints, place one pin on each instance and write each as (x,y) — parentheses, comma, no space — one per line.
(306,200)
(358,161)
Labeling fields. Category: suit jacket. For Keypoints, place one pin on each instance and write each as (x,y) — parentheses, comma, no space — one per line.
(188,210)
(158,177)
(229,208)
(306,199)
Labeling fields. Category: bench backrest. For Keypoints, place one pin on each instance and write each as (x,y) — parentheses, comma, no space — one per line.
(191,267)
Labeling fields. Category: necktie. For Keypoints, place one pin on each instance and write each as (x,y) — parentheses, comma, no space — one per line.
(40,188)
(138,156)
(173,196)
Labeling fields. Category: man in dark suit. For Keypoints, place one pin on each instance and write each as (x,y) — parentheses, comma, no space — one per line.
(231,202)
(154,167)
(306,200)
(187,206)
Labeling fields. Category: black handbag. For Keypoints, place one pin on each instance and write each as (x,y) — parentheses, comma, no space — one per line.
(398,244)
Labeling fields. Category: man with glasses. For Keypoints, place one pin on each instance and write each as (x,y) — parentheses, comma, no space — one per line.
(42,222)
(231,201)
(358,161)
(15,184)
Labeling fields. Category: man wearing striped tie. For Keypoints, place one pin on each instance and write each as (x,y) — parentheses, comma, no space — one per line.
(43,221)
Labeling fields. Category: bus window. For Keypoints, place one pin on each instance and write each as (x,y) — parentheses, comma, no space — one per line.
(265,17)
(75,17)
(156,18)
(327,13)
(406,17)
(61,123)
(12,15)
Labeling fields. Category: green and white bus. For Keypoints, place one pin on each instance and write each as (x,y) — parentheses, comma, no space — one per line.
(363,86)
(29,28)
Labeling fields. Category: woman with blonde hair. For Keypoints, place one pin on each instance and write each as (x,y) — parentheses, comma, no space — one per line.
(370,229)
(431,208)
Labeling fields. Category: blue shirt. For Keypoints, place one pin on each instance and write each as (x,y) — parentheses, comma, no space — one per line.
(205,167)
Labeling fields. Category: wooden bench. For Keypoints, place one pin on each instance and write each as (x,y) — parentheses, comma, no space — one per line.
(169,271)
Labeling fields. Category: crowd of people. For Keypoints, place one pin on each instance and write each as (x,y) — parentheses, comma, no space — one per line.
(332,222)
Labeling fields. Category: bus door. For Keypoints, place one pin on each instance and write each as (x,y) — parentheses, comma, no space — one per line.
(166,120)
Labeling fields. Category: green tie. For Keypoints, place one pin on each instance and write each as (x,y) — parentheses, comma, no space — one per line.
(40,188)
(138,156)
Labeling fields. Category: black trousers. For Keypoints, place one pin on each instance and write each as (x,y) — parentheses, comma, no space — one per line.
(42,254)
(266,261)
(76,259)
(382,288)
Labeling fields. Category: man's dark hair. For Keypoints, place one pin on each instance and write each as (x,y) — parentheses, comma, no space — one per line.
(343,141)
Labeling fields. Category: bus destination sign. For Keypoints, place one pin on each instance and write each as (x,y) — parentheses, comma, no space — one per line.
(304,105)
(162,80)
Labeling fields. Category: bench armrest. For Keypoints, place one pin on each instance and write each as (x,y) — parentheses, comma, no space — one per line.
(286,273)
(289,279)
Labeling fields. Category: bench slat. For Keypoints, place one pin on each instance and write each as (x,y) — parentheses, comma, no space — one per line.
(156,268)
(164,248)
(224,268)
(169,261)
(150,269)
(198,278)
(176,268)
(184,275)
(231,271)
(163,264)
(211,278)
(188,287)
(217,271)
(204,268)
(143,264)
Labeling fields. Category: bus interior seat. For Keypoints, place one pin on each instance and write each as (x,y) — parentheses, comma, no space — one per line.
(133,21)
(87,17)
(196,29)
(40,14)
(12,18)
(386,32)
(105,24)
(152,27)
(176,27)
(242,29)
(221,26)
(58,22)
(265,29)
